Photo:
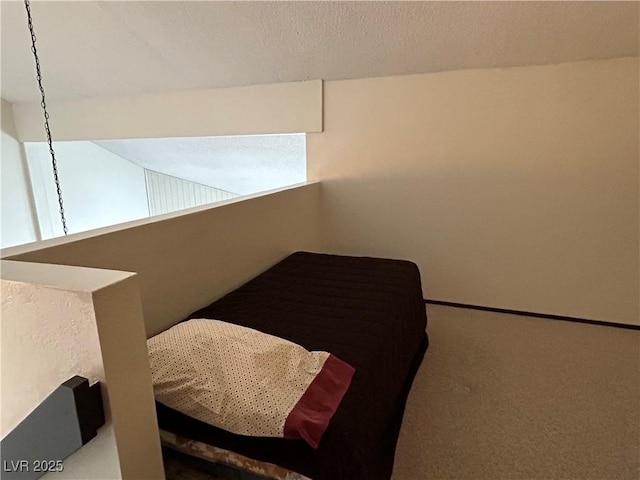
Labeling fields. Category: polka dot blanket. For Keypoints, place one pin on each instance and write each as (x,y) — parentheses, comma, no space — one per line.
(245,381)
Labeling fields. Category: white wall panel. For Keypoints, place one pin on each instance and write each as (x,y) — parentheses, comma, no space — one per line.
(98,187)
(168,194)
(18,221)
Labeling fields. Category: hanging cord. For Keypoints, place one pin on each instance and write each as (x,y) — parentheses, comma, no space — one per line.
(43,104)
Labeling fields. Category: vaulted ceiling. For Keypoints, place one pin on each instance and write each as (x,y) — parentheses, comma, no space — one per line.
(106,48)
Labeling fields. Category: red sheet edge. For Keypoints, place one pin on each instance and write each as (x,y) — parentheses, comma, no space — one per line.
(310,417)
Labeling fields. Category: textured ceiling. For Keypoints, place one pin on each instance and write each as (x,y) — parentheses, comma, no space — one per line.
(242,165)
(98,48)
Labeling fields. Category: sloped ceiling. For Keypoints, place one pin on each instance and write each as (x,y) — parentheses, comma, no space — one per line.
(104,48)
(241,165)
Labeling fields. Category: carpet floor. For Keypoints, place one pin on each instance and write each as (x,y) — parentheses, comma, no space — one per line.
(510,397)
(503,397)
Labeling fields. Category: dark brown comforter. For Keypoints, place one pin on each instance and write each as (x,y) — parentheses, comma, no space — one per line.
(367,311)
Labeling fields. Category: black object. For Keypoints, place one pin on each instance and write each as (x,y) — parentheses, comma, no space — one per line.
(66,420)
(43,104)
(547,316)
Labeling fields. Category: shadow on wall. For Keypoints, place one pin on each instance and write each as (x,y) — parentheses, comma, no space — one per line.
(492,232)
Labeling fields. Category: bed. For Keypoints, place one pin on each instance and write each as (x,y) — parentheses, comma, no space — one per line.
(367,311)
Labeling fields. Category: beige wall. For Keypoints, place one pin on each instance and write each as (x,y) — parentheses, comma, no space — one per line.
(186,260)
(257,109)
(183,261)
(36,339)
(7,122)
(60,321)
(514,188)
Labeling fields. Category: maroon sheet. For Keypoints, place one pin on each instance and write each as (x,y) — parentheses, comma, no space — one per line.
(367,311)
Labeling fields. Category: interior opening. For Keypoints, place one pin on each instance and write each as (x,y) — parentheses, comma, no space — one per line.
(108,182)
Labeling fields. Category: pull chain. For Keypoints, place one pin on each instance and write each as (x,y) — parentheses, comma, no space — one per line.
(43,104)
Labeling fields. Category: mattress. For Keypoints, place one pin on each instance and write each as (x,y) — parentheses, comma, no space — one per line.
(370,313)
